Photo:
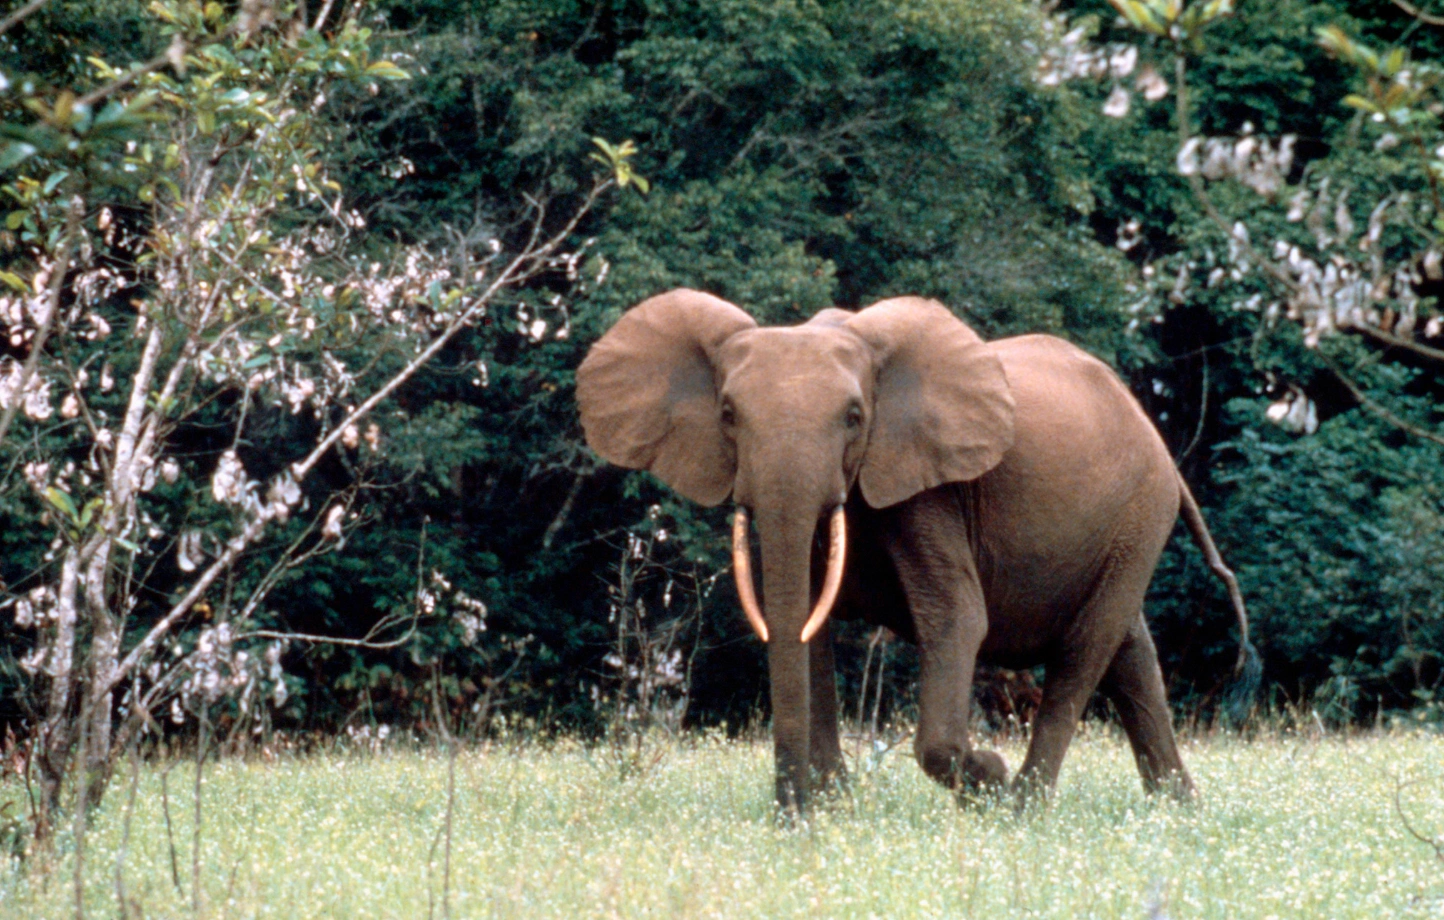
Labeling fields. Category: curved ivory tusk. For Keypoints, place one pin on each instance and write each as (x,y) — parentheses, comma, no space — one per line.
(742,571)
(836,555)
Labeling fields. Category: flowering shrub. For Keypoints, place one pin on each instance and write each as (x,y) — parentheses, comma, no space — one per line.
(184,259)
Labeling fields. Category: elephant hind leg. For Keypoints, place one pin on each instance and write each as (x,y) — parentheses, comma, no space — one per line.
(1083,658)
(1134,684)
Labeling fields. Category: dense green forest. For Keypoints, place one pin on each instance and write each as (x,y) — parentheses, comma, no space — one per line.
(1024,164)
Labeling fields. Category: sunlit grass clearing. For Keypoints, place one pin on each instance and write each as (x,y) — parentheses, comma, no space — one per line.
(1285,828)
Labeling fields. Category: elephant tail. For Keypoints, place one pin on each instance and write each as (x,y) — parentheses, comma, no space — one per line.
(1248,666)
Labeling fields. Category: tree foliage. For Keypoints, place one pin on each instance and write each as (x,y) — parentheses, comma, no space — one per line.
(1036,169)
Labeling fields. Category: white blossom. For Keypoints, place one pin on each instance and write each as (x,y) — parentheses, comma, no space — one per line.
(1122,61)
(37,399)
(1150,84)
(188,553)
(229,484)
(1118,103)
(331,529)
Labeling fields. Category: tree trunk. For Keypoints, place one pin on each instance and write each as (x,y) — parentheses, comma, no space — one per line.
(57,729)
(96,760)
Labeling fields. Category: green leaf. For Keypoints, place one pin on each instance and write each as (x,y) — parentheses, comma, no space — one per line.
(111,113)
(387,71)
(61,501)
(1141,16)
(54,180)
(14,280)
(14,219)
(607,149)
(1354,100)
(15,153)
(1393,62)
(617,159)
(1214,9)
(1337,42)
(87,514)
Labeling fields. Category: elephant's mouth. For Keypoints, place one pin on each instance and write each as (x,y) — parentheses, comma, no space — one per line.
(831,582)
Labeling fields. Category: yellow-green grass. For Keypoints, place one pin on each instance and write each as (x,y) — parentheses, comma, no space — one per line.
(1284,827)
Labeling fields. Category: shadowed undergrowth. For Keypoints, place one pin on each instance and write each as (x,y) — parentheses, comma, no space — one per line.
(1285,827)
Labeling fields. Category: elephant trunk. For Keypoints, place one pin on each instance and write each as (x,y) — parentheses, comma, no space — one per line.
(786,583)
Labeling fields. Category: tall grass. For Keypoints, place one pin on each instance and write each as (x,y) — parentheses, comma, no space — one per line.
(1285,827)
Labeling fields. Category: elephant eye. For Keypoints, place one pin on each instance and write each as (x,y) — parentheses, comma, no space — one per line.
(853,419)
(728,415)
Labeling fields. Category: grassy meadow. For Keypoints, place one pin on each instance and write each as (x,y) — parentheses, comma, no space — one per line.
(1285,827)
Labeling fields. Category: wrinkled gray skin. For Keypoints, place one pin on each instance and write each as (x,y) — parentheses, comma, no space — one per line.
(1006,502)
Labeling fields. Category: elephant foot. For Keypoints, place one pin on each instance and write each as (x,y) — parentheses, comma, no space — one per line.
(982,778)
(985,770)
(970,773)
(831,782)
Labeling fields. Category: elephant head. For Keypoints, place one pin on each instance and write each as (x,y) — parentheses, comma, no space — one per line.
(897,398)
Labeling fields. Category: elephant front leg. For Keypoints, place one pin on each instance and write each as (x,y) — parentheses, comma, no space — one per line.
(947,655)
(945,598)
(828,768)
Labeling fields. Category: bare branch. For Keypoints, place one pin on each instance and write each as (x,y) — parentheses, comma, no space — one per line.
(52,307)
(381,626)
(321,16)
(1419,14)
(1394,341)
(177,47)
(234,548)
(22,13)
(1202,411)
(514,272)
(1376,408)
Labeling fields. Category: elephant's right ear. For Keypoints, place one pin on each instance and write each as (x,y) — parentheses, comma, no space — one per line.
(648,392)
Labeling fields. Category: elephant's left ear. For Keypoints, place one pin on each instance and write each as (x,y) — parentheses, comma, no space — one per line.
(943,408)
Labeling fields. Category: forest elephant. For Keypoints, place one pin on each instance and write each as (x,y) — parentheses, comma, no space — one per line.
(1001,502)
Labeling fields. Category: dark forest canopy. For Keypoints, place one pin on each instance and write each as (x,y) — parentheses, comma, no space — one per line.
(796,155)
